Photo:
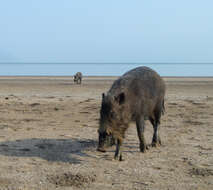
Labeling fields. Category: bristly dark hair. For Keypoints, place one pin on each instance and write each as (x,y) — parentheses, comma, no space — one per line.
(105,108)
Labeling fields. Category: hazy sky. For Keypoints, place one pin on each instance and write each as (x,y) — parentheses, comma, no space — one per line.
(106,31)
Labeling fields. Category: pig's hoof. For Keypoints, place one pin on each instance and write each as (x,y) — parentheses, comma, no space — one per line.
(144,148)
(101,150)
(156,144)
(118,158)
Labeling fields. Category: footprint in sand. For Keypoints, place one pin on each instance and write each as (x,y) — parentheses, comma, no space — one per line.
(50,97)
(202,148)
(194,122)
(198,171)
(189,101)
(172,104)
(34,104)
(85,112)
(88,100)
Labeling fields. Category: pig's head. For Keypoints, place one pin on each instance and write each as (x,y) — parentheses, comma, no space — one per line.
(111,117)
(75,78)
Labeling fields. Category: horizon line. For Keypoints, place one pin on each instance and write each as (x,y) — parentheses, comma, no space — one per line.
(59,76)
(134,63)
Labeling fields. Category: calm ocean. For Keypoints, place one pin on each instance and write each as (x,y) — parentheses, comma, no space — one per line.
(106,69)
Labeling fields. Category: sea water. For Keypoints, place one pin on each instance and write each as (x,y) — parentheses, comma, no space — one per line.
(103,69)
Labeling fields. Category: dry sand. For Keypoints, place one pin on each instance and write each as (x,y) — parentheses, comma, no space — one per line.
(48,137)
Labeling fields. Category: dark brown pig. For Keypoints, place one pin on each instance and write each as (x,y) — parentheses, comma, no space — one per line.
(136,96)
(78,78)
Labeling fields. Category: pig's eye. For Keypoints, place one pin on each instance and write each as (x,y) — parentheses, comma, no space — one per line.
(112,114)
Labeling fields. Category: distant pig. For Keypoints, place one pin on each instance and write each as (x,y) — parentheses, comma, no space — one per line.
(78,78)
(136,96)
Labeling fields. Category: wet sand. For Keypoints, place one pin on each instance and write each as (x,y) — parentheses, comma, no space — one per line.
(48,137)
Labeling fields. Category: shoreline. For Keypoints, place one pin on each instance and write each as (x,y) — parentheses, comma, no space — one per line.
(101,78)
(88,76)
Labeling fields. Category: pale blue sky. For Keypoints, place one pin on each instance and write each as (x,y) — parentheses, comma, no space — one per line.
(106,31)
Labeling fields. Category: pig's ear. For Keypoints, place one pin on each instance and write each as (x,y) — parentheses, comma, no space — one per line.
(103,96)
(120,98)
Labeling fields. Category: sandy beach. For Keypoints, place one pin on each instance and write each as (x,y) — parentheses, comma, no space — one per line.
(48,137)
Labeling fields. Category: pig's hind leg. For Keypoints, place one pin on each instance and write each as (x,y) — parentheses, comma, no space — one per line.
(155,123)
(140,124)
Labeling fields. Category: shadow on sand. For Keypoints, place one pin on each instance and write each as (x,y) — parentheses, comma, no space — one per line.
(54,150)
